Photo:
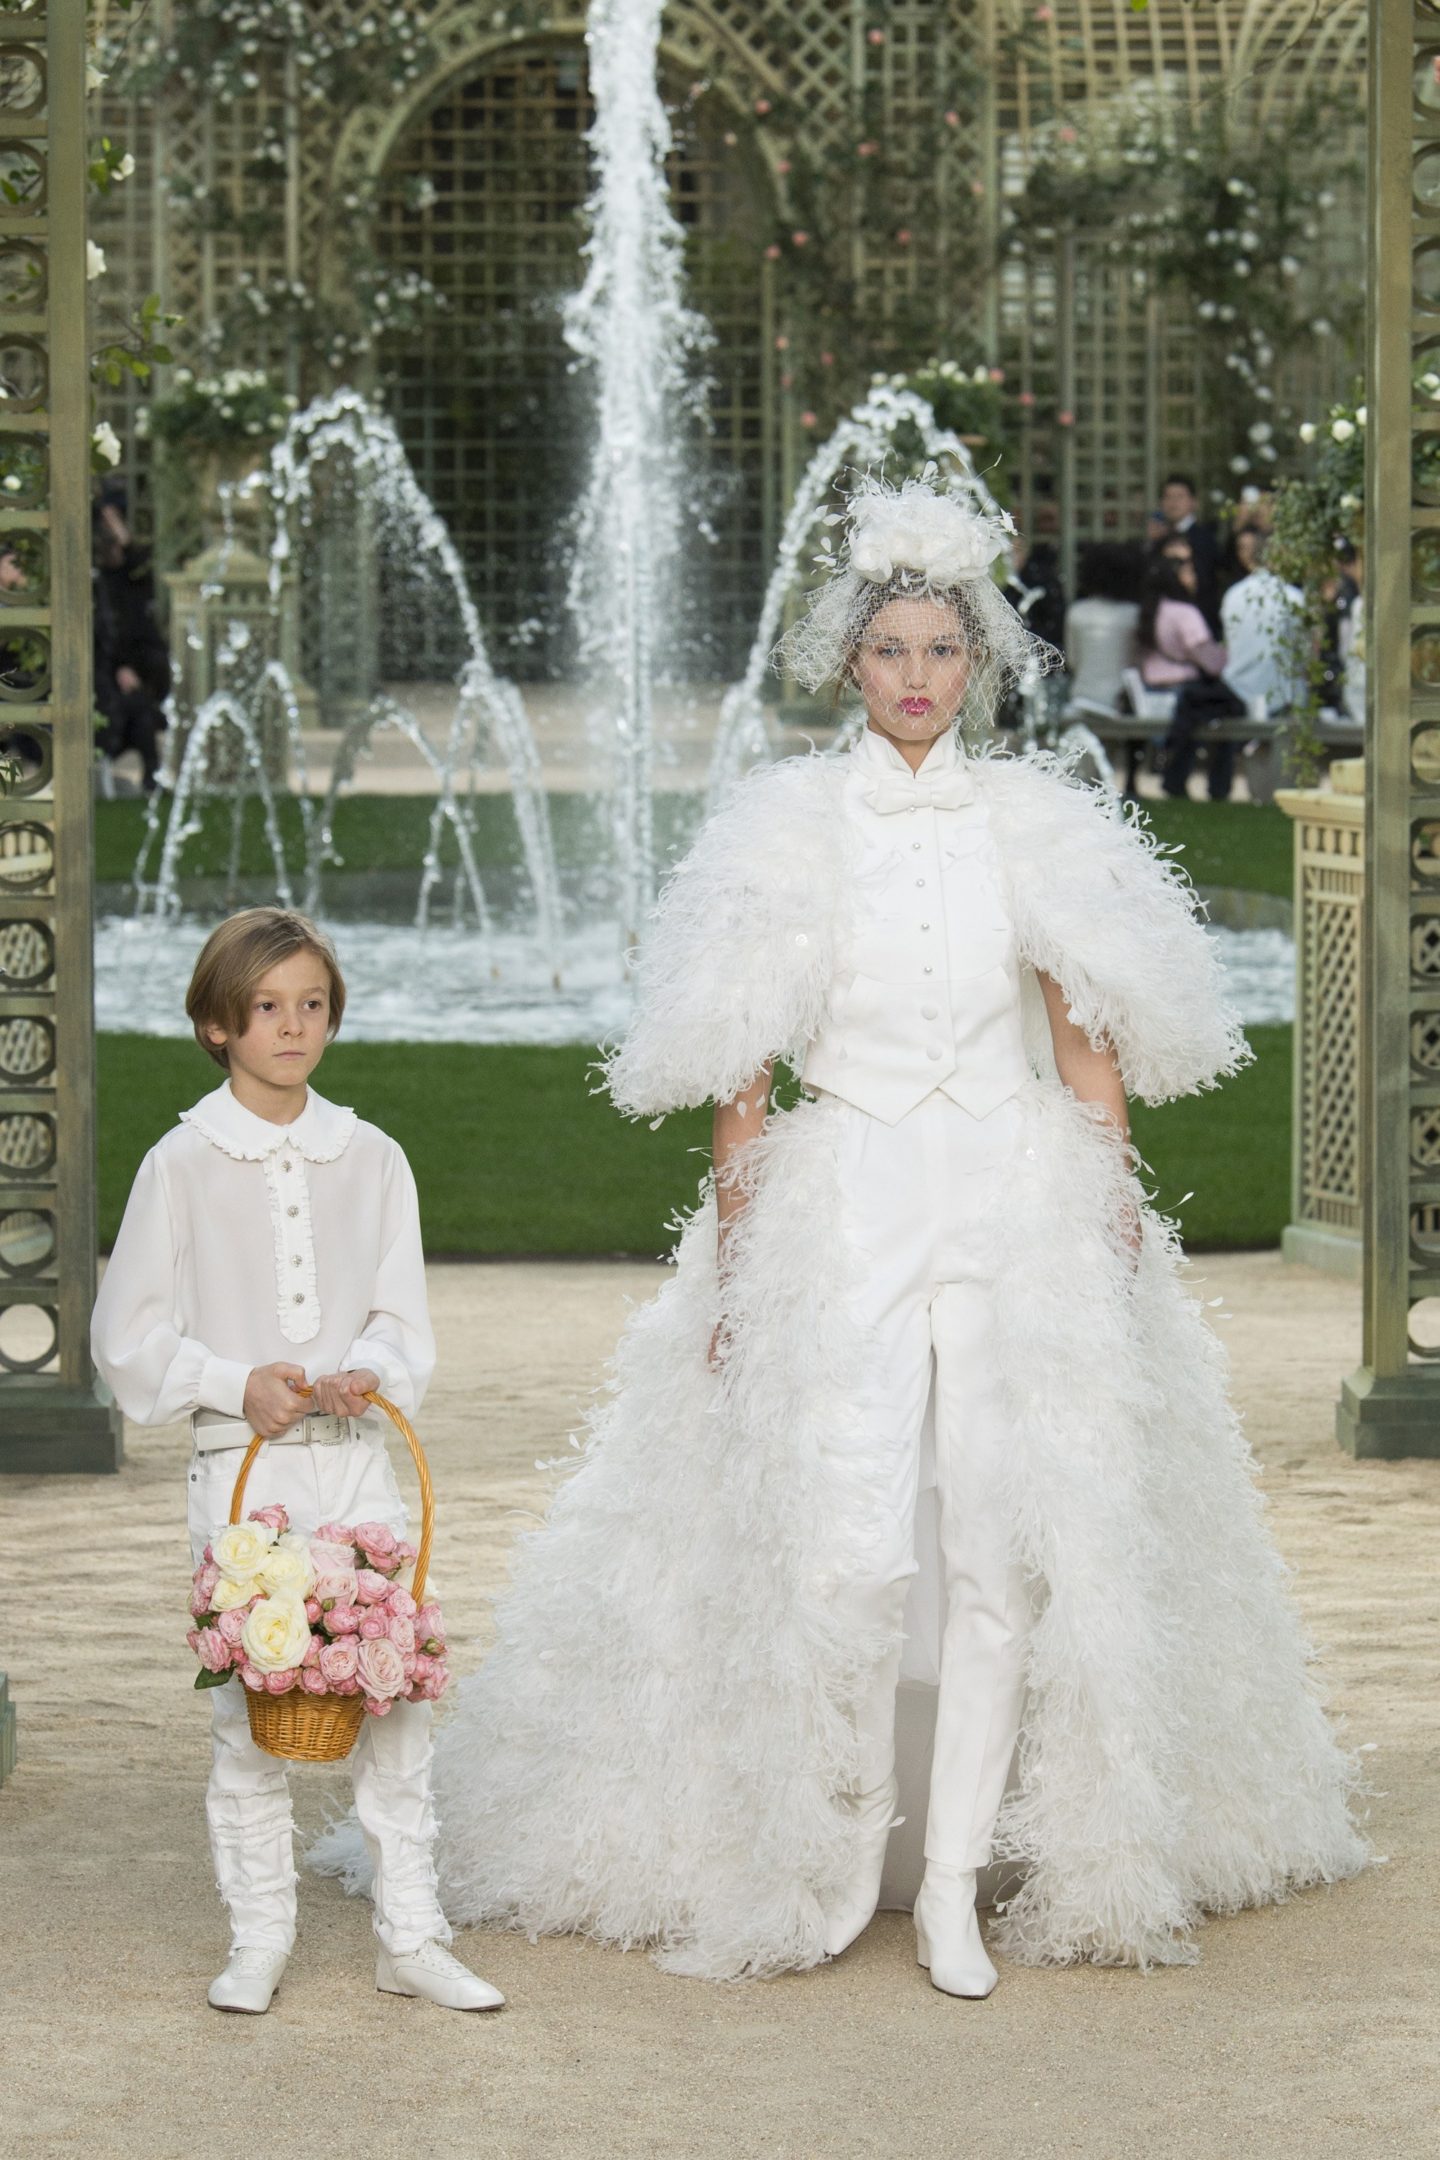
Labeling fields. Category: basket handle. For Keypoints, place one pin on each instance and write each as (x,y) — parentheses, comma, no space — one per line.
(422,1470)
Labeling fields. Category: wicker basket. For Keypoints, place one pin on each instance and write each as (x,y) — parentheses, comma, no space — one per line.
(324,1728)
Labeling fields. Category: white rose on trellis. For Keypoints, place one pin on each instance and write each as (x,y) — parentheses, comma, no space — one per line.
(1308,431)
(94,260)
(1239,464)
(105,443)
(125,168)
(1341,430)
(1261,431)
(1360,415)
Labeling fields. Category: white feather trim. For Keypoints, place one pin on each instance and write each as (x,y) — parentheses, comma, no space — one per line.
(1100,907)
(738,957)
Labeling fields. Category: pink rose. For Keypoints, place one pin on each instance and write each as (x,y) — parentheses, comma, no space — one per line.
(232,1624)
(337,1661)
(253,1679)
(376,1538)
(312,1611)
(343,1619)
(430,1628)
(280,1683)
(381,1672)
(313,1681)
(402,1633)
(401,1603)
(371,1589)
(212,1650)
(374,1626)
(335,1586)
(274,1515)
(379,1706)
(207,1556)
(192,1636)
(206,1577)
(329,1558)
(346,1687)
(312,1652)
(334,1533)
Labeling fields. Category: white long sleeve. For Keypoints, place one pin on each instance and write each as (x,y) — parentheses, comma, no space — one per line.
(397,1341)
(156,1371)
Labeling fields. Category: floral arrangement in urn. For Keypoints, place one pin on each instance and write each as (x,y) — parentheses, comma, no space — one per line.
(323,1614)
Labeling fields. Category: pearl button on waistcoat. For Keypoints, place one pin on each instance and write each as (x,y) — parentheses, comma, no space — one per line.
(880,1047)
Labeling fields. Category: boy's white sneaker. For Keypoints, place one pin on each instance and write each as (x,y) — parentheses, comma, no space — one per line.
(248,1981)
(431,1971)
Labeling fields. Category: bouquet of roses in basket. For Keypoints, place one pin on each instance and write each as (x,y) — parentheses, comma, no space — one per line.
(322,1613)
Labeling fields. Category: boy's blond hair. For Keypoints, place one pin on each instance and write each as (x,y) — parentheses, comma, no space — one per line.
(233,959)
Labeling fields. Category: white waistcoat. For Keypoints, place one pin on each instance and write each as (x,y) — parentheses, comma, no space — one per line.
(928,995)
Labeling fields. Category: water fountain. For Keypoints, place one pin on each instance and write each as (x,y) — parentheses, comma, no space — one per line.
(630,323)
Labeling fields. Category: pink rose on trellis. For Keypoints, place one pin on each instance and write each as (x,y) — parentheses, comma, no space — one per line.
(876,37)
(772,253)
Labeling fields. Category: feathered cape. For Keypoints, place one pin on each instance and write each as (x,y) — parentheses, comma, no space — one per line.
(653,1750)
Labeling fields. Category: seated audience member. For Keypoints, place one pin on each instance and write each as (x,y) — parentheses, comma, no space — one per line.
(1101,623)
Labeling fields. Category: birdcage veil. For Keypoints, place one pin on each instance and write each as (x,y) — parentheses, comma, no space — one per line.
(916,541)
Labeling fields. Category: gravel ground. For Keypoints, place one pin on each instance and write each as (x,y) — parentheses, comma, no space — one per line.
(1309,2030)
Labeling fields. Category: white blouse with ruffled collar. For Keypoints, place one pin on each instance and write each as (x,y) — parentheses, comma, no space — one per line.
(246,1243)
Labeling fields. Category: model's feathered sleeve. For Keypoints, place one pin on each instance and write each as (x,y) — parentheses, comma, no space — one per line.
(1102,909)
(736,961)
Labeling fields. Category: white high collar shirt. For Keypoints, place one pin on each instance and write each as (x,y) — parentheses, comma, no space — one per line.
(246,1243)
(927,997)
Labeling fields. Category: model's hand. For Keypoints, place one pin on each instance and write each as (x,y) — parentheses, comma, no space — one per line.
(127,680)
(272,1401)
(342,1394)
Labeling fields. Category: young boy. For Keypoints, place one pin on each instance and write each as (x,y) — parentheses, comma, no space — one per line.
(273,1239)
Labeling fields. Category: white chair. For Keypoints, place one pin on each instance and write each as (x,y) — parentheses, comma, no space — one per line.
(1155,707)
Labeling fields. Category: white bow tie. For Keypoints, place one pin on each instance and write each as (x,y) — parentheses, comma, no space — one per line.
(944,789)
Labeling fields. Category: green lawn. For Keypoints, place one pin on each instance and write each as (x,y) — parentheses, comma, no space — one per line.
(1235,844)
(513,1154)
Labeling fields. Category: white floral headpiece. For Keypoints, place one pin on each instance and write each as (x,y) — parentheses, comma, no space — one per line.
(938,538)
(914,541)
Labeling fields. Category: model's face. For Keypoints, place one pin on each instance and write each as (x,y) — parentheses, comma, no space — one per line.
(912,669)
(288,1026)
(1177,503)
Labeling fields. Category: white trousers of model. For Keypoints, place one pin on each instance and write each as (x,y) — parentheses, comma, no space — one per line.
(932,1415)
(247,1801)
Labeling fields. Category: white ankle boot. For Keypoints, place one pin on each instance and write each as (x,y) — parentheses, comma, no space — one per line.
(248,1981)
(947,1933)
(431,1971)
(849,1911)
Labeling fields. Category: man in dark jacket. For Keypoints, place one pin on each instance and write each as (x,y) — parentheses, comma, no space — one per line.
(132,659)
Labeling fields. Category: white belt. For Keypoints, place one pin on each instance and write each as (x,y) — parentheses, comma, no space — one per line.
(209,1431)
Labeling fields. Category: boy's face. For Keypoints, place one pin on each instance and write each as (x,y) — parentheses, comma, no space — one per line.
(288,1024)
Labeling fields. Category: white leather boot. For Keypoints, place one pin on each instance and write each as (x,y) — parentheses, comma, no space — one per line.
(848,1912)
(248,1981)
(431,1971)
(947,1933)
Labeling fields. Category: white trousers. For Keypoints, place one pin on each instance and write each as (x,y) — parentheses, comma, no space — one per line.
(932,1415)
(247,1801)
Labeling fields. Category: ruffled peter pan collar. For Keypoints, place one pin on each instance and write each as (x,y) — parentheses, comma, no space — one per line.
(320,1133)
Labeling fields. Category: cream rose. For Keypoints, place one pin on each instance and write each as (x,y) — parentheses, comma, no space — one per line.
(288,1571)
(227,1595)
(241,1549)
(276,1634)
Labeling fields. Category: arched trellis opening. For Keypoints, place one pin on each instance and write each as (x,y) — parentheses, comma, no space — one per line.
(479,188)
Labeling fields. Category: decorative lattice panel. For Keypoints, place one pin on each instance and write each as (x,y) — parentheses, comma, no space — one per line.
(47,1222)
(482,195)
(1329,889)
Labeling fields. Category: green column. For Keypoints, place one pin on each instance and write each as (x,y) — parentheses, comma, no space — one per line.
(51,1416)
(1391,1406)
